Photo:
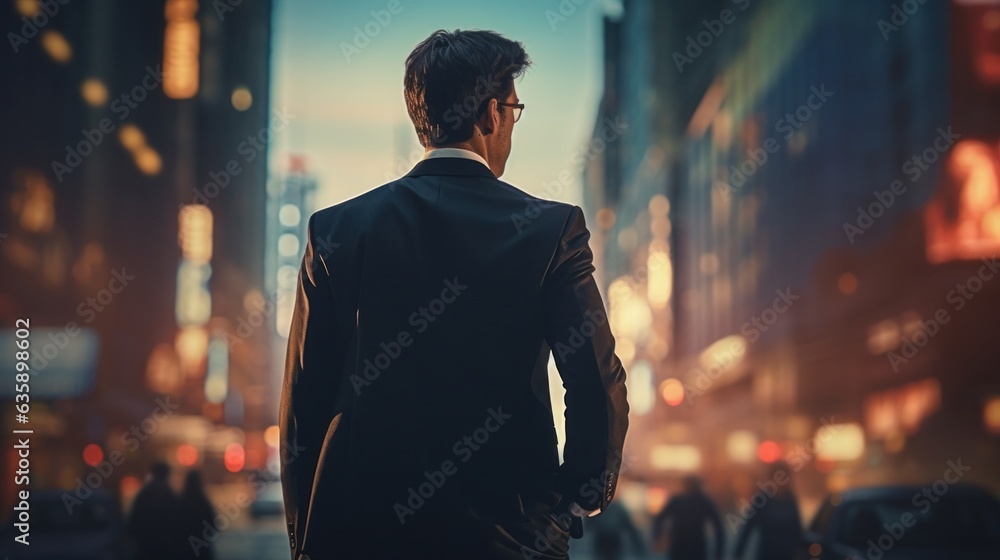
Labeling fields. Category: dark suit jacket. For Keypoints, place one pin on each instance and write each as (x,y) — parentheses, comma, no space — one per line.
(415,404)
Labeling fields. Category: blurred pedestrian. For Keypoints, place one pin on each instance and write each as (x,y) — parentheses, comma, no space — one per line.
(197,519)
(689,513)
(777,521)
(153,519)
(609,531)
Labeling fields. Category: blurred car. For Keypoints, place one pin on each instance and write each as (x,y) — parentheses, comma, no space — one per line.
(91,529)
(269,502)
(934,522)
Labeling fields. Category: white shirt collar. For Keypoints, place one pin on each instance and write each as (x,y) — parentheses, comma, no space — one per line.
(455,152)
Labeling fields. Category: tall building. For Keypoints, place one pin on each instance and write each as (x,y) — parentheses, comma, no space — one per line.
(133,210)
(799,188)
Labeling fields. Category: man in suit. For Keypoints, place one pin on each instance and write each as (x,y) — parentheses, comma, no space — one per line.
(415,414)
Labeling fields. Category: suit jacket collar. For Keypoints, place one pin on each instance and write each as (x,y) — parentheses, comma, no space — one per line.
(451,166)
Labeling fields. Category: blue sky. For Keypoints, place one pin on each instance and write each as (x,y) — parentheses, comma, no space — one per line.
(349,117)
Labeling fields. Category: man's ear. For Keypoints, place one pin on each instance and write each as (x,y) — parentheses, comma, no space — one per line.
(489,121)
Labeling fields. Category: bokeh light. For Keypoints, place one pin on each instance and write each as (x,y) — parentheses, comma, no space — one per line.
(93,454)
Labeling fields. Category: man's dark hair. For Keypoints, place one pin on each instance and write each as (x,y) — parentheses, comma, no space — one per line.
(450,78)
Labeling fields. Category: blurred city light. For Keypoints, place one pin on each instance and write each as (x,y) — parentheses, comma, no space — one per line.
(682,458)
(991,415)
(661,274)
(187,455)
(194,233)
(241,99)
(131,137)
(271,436)
(901,410)
(34,202)
(768,451)
(883,337)
(290,215)
(148,160)
(57,46)
(964,221)
(163,369)
(130,486)
(93,454)
(724,354)
(217,375)
(641,387)
(194,300)
(180,49)
(288,244)
(192,346)
(94,92)
(741,446)
(27,8)
(840,442)
(234,457)
(630,314)
(847,283)
(672,391)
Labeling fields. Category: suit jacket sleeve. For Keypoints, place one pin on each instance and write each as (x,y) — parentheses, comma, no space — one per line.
(308,387)
(577,331)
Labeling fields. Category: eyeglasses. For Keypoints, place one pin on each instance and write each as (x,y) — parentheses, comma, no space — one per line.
(518,107)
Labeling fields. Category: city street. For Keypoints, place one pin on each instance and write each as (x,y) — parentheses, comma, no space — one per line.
(260,540)
(264,539)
